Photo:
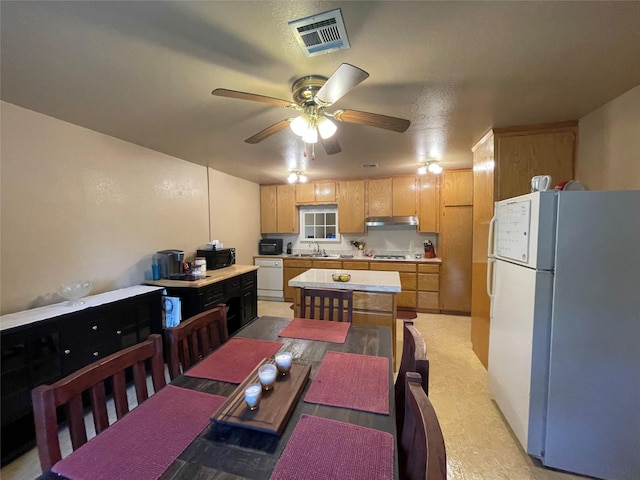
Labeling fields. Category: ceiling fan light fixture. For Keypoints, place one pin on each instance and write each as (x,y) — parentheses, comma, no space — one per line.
(326,127)
(311,135)
(300,124)
(296,177)
(422,170)
(292,178)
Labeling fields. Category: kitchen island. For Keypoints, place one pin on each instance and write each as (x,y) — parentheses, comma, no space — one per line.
(374,294)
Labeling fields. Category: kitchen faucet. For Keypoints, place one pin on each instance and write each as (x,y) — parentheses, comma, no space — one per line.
(317,249)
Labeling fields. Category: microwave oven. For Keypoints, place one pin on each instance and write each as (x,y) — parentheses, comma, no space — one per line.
(224,257)
(270,246)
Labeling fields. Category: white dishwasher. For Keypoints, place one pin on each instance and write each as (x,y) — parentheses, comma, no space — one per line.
(270,279)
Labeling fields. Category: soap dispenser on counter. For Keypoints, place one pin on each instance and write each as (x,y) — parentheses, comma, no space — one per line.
(289,248)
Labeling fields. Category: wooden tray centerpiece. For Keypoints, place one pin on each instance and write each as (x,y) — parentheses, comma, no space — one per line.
(276,405)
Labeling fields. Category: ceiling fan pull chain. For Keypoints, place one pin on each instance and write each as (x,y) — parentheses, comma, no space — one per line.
(313,151)
(304,150)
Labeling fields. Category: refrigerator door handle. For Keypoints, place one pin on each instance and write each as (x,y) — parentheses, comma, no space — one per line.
(492,227)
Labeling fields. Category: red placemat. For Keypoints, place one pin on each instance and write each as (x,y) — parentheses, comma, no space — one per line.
(234,360)
(353,381)
(146,441)
(322,330)
(323,449)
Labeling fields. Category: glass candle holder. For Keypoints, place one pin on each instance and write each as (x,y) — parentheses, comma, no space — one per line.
(283,362)
(252,396)
(267,375)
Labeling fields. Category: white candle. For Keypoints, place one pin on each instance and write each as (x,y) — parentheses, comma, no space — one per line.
(252,396)
(267,374)
(283,362)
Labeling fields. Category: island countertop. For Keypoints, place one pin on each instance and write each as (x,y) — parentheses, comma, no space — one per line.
(363,280)
(213,276)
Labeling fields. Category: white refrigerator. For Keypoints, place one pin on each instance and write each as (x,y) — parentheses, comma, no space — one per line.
(564,343)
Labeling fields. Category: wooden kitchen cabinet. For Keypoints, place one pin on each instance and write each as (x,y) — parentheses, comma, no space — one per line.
(408,281)
(316,193)
(351,206)
(293,268)
(504,160)
(428,288)
(278,213)
(379,199)
(404,194)
(429,204)
(455,242)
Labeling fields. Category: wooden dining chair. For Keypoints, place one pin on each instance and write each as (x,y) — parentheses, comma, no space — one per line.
(195,338)
(422,453)
(414,359)
(326,304)
(68,393)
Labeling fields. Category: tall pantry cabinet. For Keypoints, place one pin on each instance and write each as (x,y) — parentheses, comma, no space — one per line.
(504,160)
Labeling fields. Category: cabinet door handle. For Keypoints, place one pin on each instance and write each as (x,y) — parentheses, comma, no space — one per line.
(95,327)
(119,332)
(67,352)
(95,354)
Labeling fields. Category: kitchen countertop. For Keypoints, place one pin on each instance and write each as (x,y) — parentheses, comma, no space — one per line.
(213,276)
(355,257)
(363,280)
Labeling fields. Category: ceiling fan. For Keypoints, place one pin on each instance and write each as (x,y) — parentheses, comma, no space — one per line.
(312,95)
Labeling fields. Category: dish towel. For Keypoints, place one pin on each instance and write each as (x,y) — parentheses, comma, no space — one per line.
(353,381)
(234,360)
(321,330)
(143,443)
(323,449)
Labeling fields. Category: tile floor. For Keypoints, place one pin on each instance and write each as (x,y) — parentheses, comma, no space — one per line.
(479,444)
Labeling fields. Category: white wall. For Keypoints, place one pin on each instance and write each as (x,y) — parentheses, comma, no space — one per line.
(609,145)
(77,204)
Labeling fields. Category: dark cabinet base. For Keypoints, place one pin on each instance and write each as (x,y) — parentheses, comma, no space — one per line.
(46,351)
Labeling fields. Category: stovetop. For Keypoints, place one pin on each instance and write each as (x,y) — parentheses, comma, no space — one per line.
(389,257)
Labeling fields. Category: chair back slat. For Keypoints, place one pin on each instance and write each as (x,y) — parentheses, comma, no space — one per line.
(195,338)
(99,402)
(414,359)
(68,393)
(75,417)
(120,395)
(326,304)
(422,452)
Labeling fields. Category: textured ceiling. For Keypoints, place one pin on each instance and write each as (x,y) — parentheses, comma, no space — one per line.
(144,71)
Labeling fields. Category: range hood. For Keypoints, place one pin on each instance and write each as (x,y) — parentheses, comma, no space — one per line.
(382,221)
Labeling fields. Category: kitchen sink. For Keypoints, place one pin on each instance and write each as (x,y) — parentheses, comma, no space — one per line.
(313,255)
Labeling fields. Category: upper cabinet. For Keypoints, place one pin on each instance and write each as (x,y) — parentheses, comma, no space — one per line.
(404,196)
(278,212)
(316,193)
(379,197)
(429,204)
(504,160)
(457,188)
(351,206)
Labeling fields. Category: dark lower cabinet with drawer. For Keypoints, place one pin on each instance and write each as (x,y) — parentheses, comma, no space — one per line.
(45,351)
(239,294)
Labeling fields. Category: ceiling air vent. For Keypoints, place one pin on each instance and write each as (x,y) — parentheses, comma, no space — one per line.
(322,33)
(369,165)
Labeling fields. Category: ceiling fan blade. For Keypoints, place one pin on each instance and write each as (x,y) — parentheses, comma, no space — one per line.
(223,92)
(331,145)
(267,132)
(372,119)
(339,83)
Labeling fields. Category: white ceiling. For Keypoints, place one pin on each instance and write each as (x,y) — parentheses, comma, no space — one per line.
(144,71)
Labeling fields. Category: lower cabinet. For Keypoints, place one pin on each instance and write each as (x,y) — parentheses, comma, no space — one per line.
(43,352)
(428,288)
(239,294)
(408,280)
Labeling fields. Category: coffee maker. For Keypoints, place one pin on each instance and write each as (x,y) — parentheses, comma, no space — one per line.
(170,262)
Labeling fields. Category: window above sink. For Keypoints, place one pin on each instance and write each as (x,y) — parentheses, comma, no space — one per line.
(319,224)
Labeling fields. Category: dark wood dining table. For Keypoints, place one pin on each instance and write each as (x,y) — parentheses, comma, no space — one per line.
(228,452)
